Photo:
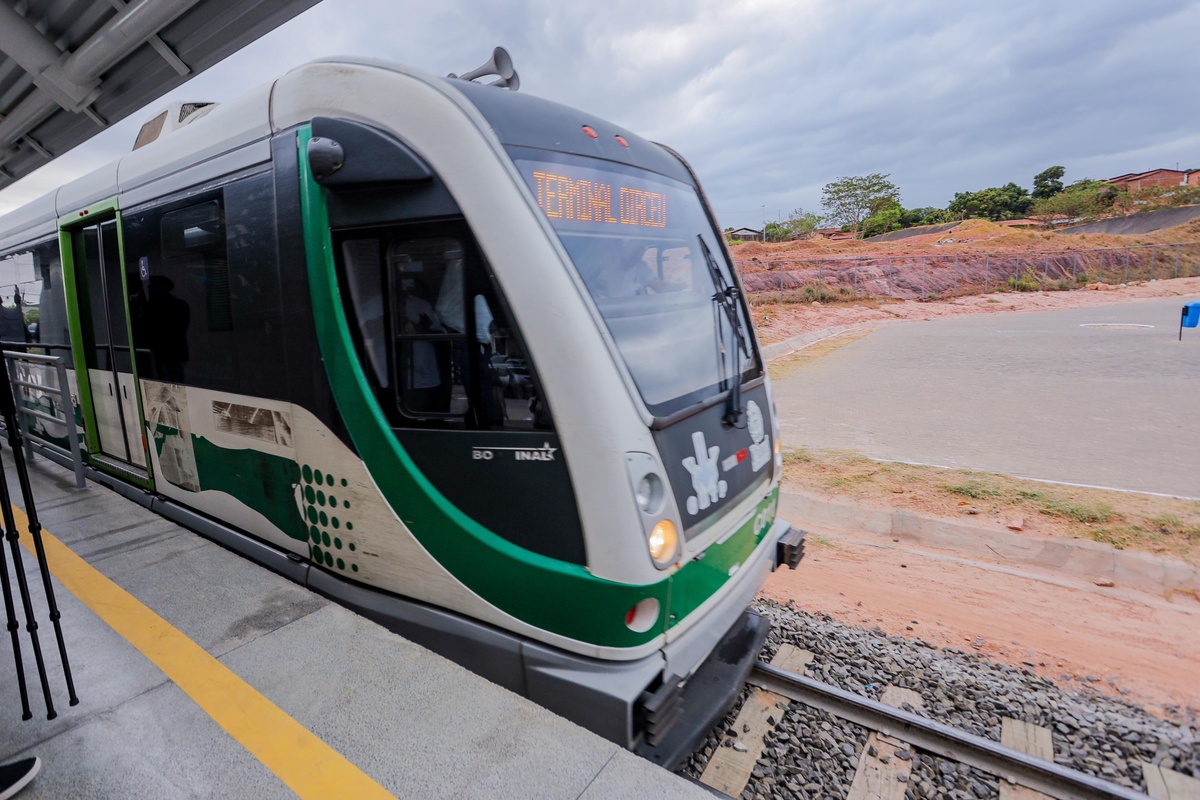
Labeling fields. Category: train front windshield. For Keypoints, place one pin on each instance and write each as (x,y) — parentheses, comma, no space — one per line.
(652,263)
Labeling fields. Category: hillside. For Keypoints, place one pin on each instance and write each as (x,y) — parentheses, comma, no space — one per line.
(975,236)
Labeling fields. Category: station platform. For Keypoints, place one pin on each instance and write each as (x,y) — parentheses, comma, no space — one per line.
(201,674)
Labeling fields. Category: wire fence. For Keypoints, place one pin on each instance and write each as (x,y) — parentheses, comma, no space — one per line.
(939,277)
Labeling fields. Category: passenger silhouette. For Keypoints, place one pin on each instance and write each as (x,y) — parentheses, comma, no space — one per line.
(166,319)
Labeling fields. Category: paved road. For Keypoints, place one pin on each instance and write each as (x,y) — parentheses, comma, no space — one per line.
(1079,396)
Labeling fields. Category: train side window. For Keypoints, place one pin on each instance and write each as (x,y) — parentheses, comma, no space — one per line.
(434,335)
(205,299)
(52,329)
(37,312)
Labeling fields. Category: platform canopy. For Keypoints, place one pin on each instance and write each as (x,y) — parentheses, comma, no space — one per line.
(71,68)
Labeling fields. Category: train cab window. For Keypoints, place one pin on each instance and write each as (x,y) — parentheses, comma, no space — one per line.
(435,338)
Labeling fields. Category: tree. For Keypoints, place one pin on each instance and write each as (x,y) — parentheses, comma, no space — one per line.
(775,231)
(913,217)
(802,222)
(847,201)
(886,214)
(1082,200)
(999,202)
(1048,182)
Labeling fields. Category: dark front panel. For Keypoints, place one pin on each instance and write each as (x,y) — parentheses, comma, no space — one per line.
(710,464)
(515,484)
(307,380)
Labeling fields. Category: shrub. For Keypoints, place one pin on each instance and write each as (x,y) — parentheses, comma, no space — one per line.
(1028,282)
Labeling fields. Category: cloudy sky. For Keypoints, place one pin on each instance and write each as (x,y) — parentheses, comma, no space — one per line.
(772,99)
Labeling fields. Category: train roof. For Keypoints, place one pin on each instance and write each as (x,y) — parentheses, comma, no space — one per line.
(216,144)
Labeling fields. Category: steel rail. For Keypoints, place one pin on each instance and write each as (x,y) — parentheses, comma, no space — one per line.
(935,737)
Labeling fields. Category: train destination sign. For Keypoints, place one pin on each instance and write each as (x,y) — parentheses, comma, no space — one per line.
(575,194)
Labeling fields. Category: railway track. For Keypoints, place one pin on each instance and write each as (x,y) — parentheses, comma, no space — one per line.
(1011,765)
(809,727)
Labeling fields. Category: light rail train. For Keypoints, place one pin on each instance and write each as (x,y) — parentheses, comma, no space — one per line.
(472,363)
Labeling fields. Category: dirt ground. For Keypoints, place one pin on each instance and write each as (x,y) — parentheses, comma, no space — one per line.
(1125,643)
(1140,646)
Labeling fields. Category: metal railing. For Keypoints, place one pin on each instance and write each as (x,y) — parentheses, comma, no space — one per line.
(37,402)
(939,277)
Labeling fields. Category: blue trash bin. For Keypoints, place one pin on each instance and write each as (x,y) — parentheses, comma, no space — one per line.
(1191,315)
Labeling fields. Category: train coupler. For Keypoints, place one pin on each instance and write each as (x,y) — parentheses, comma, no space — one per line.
(789,549)
(662,708)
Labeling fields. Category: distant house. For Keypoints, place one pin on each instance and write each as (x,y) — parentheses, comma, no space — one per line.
(745,234)
(833,234)
(1156,177)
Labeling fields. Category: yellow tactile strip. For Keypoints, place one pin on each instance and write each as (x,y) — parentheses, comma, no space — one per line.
(309,767)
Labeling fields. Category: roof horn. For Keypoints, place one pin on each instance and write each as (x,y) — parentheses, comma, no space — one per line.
(499,65)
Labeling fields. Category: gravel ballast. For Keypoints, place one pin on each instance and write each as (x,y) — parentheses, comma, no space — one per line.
(813,755)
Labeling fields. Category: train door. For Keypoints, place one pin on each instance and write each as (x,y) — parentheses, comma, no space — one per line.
(97,291)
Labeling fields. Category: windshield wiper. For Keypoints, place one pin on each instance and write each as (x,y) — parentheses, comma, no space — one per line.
(726,297)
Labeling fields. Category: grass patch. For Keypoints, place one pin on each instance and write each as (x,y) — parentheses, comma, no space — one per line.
(814,540)
(975,491)
(1171,525)
(1164,526)
(1089,514)
(796,455)
(1112,536)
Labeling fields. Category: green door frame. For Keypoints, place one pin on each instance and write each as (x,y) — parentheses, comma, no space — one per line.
(81,339)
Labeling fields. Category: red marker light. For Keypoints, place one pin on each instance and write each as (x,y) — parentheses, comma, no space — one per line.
(621,140)
(743,454)
(590,131)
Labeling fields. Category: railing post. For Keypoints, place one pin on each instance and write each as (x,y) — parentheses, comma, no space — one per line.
(1176,260)
(987,263)
(924,270)
(956,274)
(1046,273)
(820,267)
(68,412)
(1127,255)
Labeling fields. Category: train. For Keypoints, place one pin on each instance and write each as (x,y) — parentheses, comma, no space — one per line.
(470,362)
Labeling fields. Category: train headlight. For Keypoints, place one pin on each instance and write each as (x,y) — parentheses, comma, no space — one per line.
(663,542)
(649,493)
